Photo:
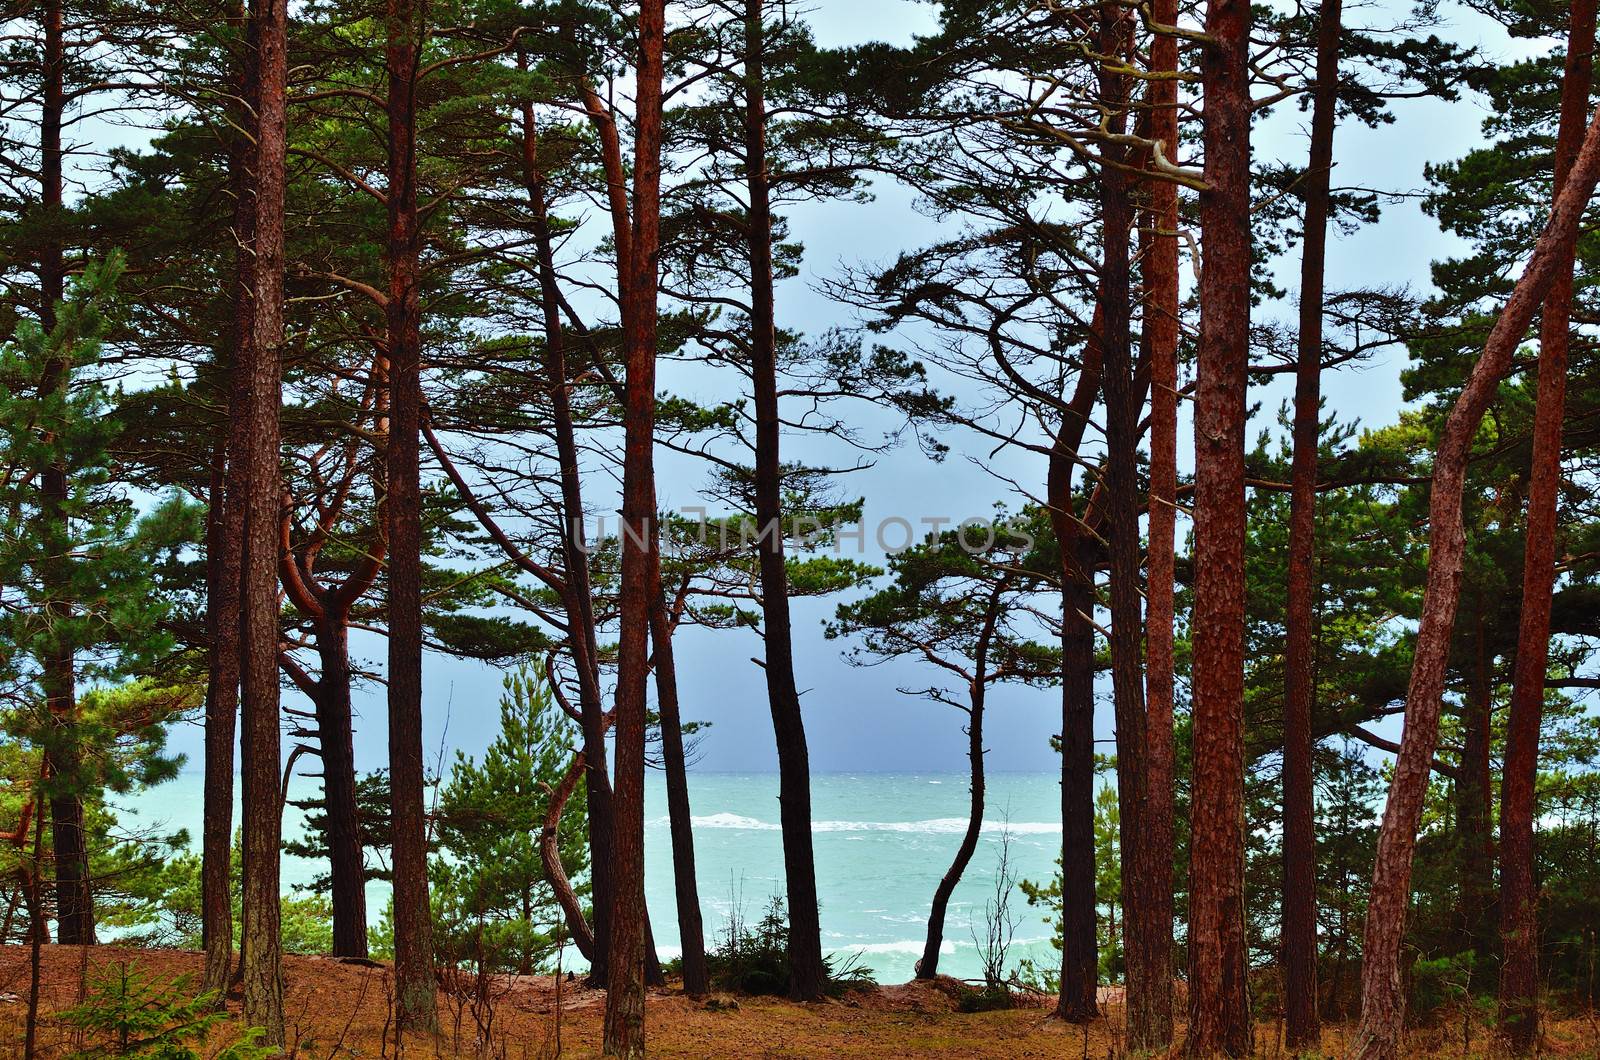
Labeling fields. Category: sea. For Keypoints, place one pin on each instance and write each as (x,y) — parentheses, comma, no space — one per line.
(882,842)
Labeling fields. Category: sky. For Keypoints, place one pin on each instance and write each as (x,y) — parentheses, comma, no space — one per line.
(856,719)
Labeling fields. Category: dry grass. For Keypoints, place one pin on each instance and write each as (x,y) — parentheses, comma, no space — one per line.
(337,1008)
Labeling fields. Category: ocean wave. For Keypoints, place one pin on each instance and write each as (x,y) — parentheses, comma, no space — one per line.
(932,826)
(899,946)
(728,820)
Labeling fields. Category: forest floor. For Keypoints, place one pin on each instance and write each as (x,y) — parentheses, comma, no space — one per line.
(338,1008)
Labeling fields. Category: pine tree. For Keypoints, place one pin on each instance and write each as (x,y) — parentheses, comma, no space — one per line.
(491,895)
(110,612)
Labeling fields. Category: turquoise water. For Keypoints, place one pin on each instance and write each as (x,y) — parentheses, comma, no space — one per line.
(882,842)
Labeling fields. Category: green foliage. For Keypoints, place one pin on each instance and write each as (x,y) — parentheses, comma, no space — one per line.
(754,958)
(87,572)
(1439,983)
(163,909)
(940,600)
(372,807)
(1108,899)
(129,1013)
(991,997)
(492,901)
(105,594)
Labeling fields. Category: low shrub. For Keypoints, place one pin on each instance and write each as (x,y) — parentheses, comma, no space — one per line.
(754,959)
(128,1013)
(990,998)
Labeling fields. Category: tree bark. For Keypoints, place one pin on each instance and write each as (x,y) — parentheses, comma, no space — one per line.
(928,966)
(1219,1003)
(1302,1028)
(37,935)
(1160,336)
(1473,791)
(638,274)
(550,857)
(691,933)
(577,599)
(1382,1003)
(1519,926)
(58,677)
(225,548)
(335,738)
(807,972)
(1145,1015)
(415,996)
(328,609)
(259,749)
(1080,963)
(222,707)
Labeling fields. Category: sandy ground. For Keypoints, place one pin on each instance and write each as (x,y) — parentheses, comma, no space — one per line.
(338,1008)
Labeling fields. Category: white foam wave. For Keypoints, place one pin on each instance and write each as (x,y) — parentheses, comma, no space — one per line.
(729,820)
(899,946)
(932,826)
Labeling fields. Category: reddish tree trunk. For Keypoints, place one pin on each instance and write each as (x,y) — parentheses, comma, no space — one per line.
(1302,1029)
(415,1001)
(1146,1018)
(928,966)
(1382,1003)
(225,550)
(1219,1003)
(1475,842)
(1160,335)
(1519,926)
(807,974)
(259,748)
(624,1015)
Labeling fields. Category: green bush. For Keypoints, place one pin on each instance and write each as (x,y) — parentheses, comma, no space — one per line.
(992,998)
(754,959)
(1439,983)
(128,1013)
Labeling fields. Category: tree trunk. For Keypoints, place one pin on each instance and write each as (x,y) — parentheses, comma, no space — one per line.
(1160,336)
(36,937)
(1146,1016)
(58,677)
(1475,841)
(1519,926)
(577,601)
(550,857)
(259,750)
(1080,956)
(928,966)
(335,737)
(1302,1028)
(225,550)
(1219,1002)
(638,274)
(807,973)
(691,933)
(1080,963)
(1382,1003)
(415,998)
(222,708)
